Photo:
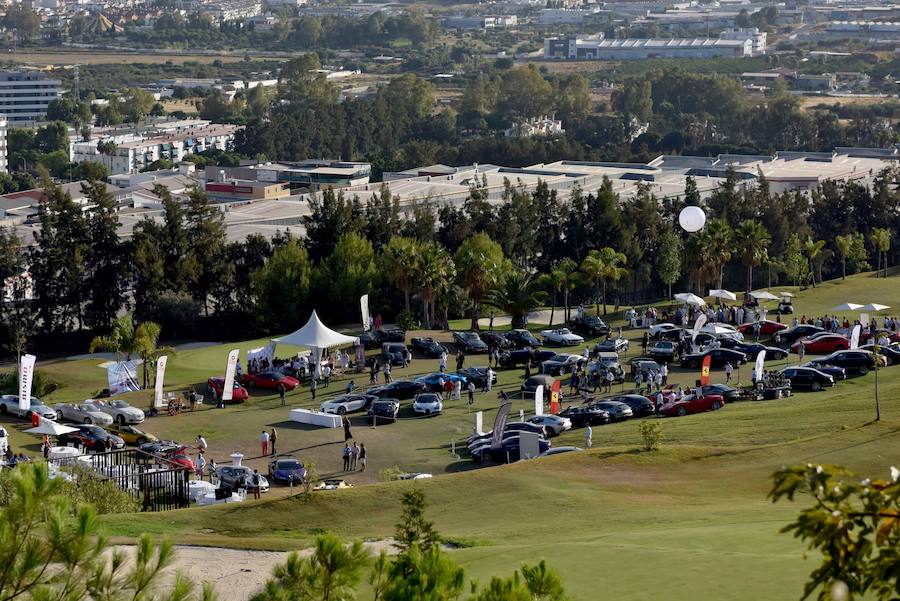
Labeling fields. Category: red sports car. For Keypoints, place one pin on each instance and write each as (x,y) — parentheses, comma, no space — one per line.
(271,380)
(707,402)
(214,387)
(866,337)
(766,327)
(822,344)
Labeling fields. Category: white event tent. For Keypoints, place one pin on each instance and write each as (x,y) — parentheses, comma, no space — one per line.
(316,336)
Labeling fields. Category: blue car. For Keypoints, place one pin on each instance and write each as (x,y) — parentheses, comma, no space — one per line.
(433,380)
(286,470)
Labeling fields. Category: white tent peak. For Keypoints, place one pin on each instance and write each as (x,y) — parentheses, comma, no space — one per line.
(316,334)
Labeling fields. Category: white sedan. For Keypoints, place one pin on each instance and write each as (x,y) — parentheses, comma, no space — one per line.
(347,403)
(554,425)
(562,337)
(427,403)
(121,412)
(82,414)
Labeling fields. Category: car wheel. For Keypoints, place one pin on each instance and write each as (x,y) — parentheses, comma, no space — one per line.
(87,420)
(59,415)
(863,370)
(341,410)
(3,409)
(120,419)
(815,387)
(681,412)
(714,406)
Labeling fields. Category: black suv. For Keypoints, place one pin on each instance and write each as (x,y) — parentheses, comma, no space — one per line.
(590,325)
(851,360)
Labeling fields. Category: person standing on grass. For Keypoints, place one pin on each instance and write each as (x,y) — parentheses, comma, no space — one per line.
(448,388)
(264,442)
(638,379)
(312,386)
(728,370)
(362,457)
(346,455)
(609,380)
(354,456)
(273,439)
(442,364)
(488,380)
(664,372)
(201,463)
(801,351)
(201,444)
(281,391)
(254,481)
(471,388)
(457,389)
(588,436)
(326,373)
(347,435)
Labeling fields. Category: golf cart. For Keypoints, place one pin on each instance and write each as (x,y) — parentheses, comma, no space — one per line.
(785,305)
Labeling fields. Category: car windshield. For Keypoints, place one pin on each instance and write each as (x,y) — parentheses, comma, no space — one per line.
(288,464)
(469,335)
(395,347)
(119,404)
(95,430)
(87,407)
(664,345)
(561,358)
(427,398)
(275,375)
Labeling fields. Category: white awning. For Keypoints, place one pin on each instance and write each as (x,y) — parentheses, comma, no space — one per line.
(316,335)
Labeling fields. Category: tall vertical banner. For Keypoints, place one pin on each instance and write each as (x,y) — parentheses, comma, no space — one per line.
(760,363)
(160,378)
(500,425)
(539,400)
(26,377)
(364,311)
(231,366)
(555,392)
(479,422)
(698,325)
(854,336)
(704,370)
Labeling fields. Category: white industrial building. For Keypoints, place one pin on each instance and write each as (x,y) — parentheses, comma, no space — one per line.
(597,48)
(4,167)
(25,95)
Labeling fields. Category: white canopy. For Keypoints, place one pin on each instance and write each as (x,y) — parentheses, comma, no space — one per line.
(689,298)
(787,295)
(725,294)
(50,428)
(874,307)
(763,295)
(316,335)
(847,307)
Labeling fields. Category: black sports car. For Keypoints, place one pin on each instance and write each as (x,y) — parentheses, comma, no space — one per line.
(92,438)
(428,346)
(374,339)
(581,416)
(477,375)
(851,360)
(522,338)
(589,325)
(384,410)
(792,335)
(398,389)
(752,349)
(496,340)
(395,352)
(520,356)
(727,392)
(807,377)
(838,373)
(720,356)
(663,351)
(470,342)
(640,405)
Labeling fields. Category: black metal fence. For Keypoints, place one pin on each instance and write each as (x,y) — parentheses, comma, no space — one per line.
(159,484)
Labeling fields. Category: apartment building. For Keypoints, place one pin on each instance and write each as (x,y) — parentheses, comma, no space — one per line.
(4,167)
(25,95)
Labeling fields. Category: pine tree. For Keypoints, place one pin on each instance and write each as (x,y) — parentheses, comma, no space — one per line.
(106,269)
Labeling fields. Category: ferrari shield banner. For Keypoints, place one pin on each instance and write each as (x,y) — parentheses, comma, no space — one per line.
(364,310)
(554,397)
(760,362)
(230,367)
(539,400)
(160,378)
(704,370)
(500,425)
(26,376)
(698,325)
(122,377)
(854,336)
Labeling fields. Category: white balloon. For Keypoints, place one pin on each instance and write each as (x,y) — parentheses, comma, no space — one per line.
(692,219)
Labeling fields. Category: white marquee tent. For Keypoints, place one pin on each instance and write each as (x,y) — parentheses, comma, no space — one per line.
(316,336)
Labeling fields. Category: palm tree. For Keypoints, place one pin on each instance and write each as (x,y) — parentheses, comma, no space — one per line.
(602,266)
(844,245)
(126,338)
(751,241)
(718,235)
(698,262)
(881,240)
(480,264)
(400,261)
(434,274)
(517,295)
(565,274)
(814,254)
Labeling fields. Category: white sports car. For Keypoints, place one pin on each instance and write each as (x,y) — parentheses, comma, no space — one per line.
(9,403)
(427,403)
(121,412)
(554,425)
(82,414)
(662,328)
(347,403)
(562,337)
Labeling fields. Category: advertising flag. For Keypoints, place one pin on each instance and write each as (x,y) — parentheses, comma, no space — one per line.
(364,311)
(704,370)
(554,397)
(160,378)
(26,376)
(500,425)
(479,422)
(760,362)
(539,400)
(854,336)
(698,325)
(122,377)
(231,366)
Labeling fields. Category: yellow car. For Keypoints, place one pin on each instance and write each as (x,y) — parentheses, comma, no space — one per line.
(130,434)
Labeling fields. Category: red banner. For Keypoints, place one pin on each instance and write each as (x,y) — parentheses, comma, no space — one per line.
(704,371)
(554,397)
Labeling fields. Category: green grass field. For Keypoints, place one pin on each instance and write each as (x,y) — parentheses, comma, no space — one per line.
(688,521)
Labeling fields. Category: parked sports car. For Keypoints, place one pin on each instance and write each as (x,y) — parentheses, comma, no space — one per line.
(9,404)
(215,385)
(531,384)
(520,356)
(427,403)
(561,337)
(891,354)
(582,415)
(238,476)
(553,425)
(84,413)
(752,349)
(286,470)
(92,438)
(827,343)
(522,338)
(347,403)
(640,405)
(428,346)
(662,351)
(659,329)
(383,410)
(791,335)
(271,380)
(610,362)
(645,366)
(470,342)
(509,451)
(511,428)
(612,345)
(131,435)
(589,325)
(394,352)
(767,327)
(729,393)
(617,411)
(433,380)
(562,363)
(720,356)
(398,389)
(694,404)
(495,340)
(807,377)
(477,375)
(838,373)
(121,411)
(374,339)
(856,360)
